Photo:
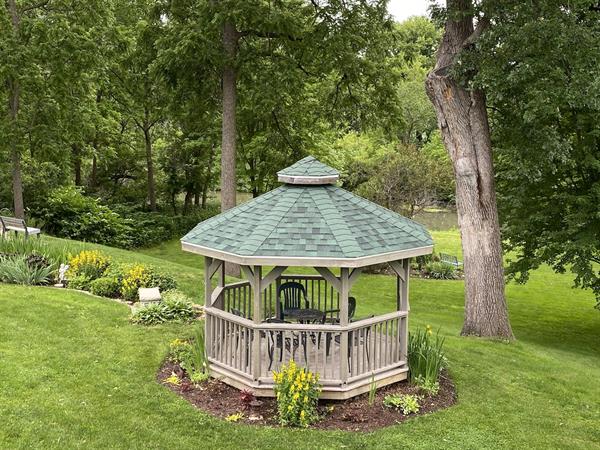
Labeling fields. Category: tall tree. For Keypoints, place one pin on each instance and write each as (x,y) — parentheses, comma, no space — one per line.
(47,50)
(463,121)
(545,109)
(137,88)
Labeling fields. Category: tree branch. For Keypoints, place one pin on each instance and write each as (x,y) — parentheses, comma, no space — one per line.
(482,25)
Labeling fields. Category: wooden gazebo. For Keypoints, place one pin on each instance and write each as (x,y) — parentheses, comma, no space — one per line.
(308,222)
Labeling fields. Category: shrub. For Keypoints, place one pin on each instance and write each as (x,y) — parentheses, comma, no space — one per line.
(140,275)
(426,357)
(69,213)
(440,271)
(18,269)
(407,403)
(297,392)
(80,282)
(106,287)
(88,263)
(165,311)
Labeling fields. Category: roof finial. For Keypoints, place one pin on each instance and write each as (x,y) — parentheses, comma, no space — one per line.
(308,171)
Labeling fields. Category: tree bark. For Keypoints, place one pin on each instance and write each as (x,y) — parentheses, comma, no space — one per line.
(228,144)
(14,92)
(462,118)
(150,167)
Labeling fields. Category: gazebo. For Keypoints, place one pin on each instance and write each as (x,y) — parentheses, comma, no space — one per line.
(255,325)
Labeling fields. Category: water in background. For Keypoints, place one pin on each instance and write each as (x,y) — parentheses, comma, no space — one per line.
(438,220)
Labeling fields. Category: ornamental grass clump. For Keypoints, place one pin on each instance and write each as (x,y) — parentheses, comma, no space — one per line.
(426,358)
(297,391)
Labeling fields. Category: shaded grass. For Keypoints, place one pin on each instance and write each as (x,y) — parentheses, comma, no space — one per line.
(75,373)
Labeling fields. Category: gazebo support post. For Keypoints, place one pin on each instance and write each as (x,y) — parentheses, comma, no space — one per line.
(255,276)
(207,281)
(344,289)
(402,269)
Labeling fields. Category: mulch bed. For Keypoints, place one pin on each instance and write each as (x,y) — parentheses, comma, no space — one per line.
(222,400)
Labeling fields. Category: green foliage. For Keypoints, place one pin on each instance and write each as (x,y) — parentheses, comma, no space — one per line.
(440,270)
(405,180)
(165,311)
(70,214)
(191,355)
(430,387)
(545,109)
(426,357)
(19,269)
(372,391)
(407,403)
(106,287)
(54,254)
(79,282)
(297,391)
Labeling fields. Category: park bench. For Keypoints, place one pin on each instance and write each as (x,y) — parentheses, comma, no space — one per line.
(450,259)
(17,225)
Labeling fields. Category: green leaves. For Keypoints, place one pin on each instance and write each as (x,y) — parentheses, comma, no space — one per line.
(545,111)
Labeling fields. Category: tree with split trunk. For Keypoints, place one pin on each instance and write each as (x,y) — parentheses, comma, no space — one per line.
(463,121)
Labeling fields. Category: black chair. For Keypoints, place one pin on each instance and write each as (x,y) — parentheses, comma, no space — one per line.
(276,341)
(292,295)
(354,340)
(336,320)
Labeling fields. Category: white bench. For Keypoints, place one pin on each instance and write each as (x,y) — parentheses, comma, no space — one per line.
(18,226)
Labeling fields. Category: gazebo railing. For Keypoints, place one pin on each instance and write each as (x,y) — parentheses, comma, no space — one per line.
(375,345)
(320,293)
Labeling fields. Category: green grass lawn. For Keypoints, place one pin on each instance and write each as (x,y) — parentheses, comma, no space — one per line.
(75,373)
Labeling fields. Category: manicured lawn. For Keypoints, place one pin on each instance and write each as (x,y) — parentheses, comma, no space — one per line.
(75,373)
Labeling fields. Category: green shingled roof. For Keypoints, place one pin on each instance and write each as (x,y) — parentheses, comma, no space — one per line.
(304,221)
(309,167)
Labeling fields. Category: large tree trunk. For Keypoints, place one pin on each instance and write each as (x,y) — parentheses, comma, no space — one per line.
(150,167)
(463,121)
(14,93)
(228,144)
(228,182)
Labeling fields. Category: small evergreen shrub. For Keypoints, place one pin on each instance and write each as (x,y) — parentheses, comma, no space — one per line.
(297,391)
(88,263)
(426,357)
(407,403)
(106,287)
(440,271)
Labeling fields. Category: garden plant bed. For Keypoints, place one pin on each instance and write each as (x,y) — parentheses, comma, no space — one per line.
(221,400)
